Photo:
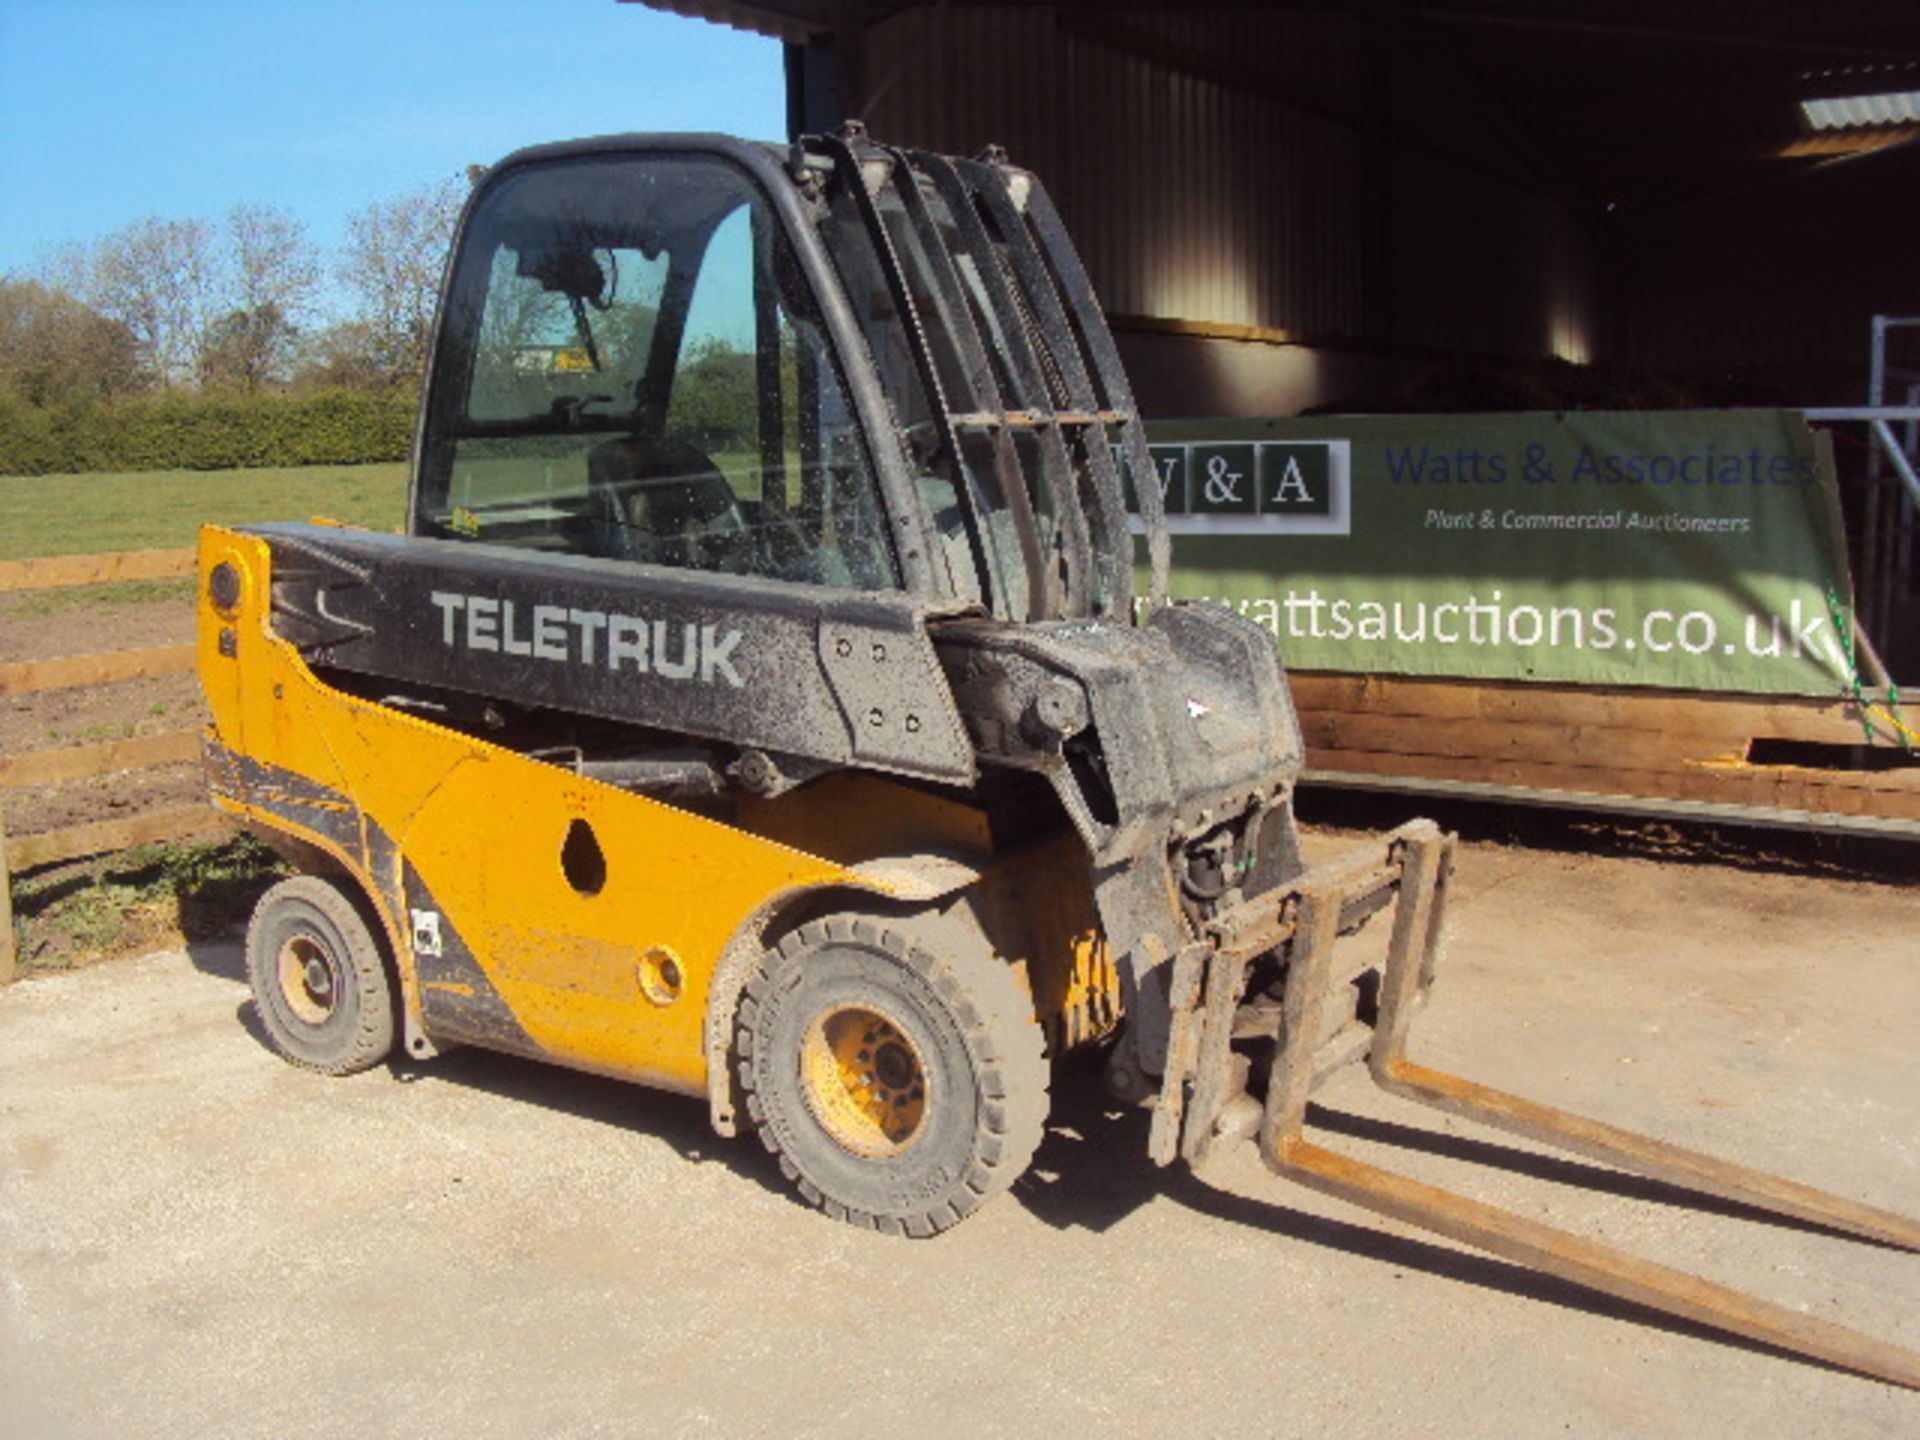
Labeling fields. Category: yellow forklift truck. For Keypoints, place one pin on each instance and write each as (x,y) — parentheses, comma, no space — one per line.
(759,706)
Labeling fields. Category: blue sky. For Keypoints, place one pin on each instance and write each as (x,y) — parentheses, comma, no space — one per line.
(111,110)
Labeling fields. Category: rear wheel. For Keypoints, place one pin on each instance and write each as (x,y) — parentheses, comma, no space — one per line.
(899,1087)
(319,982)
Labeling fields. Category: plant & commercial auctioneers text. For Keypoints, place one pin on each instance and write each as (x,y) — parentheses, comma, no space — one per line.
(1664,523)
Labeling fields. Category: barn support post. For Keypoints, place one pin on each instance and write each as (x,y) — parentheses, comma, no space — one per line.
(826,73)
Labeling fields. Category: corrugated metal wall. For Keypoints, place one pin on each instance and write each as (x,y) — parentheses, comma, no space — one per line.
(1191,200)
(1224,167)
(1482,267)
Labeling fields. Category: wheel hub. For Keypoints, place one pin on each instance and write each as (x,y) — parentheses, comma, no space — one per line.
(864,1081)
(308,979)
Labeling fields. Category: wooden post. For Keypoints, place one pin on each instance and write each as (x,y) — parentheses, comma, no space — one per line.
(8,961)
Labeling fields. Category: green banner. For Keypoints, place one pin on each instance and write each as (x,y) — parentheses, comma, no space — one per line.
(1697,550)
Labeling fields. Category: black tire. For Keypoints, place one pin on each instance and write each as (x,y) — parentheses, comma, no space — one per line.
(319,982)
(900,1161)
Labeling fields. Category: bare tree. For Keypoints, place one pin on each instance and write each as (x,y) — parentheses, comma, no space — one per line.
(157,278)
(396,249)
(66,267)
(239,305)
(344,355)
(53,347)
(271,280)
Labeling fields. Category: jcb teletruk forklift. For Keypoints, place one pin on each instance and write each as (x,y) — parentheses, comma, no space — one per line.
(759,705)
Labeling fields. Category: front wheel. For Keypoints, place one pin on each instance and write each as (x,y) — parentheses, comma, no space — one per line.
(899,1087)
(319,982)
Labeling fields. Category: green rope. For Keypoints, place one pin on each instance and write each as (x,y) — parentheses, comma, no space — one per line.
(1843,627)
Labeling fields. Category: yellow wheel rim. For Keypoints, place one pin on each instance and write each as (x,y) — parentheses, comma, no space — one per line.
(308,982)
(864,1081)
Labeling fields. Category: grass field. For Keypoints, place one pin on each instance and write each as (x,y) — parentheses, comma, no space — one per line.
(162,509)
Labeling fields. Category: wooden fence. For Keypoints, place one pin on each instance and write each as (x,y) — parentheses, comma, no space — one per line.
(78,762)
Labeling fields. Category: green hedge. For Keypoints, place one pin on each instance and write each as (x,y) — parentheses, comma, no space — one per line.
(205,432)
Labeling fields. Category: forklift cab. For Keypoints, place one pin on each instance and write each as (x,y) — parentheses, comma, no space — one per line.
(830,366)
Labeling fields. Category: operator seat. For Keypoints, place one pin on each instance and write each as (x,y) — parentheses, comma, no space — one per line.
(663,502)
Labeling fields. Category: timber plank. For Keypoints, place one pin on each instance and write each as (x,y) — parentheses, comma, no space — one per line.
(1596,745)
(1738,717)
(1594,802)
(179,822)
(24,677)
(1651,761)
(58,571)
(1775,786)
(80,762)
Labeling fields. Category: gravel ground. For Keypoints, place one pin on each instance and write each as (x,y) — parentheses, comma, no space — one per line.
(197,1240)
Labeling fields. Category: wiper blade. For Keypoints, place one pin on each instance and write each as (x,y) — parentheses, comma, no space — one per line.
(585,330)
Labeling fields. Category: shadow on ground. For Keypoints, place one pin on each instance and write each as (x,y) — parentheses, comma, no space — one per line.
(1092,1169)
(224,957)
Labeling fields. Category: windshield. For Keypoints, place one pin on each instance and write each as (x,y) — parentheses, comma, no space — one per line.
(631,366)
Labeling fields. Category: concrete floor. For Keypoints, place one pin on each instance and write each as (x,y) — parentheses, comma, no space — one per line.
(197,1240)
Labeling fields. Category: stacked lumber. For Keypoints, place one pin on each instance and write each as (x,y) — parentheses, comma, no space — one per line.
(1574,743)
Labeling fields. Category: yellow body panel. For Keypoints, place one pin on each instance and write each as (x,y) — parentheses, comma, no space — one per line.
(1033,903)
(484,828)
(619,980)
(1036,909)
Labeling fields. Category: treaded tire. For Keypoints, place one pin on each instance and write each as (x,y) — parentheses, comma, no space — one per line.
(973,1030)
(319,982)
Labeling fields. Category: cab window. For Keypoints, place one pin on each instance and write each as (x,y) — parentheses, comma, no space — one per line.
(631,366)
